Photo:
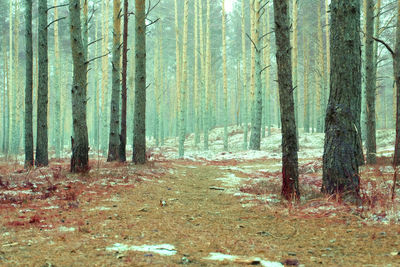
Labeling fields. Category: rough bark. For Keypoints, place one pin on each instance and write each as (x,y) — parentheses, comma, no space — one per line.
(290,174)
(28,85)
(370,85)
(41,137)
(122,144)
(113,140)
(255,138)
(80,142)
(342,122)
(139,134)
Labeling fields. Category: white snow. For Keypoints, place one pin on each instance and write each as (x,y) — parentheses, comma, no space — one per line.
(232,180)
(163,249)
(215,256)
(66,229)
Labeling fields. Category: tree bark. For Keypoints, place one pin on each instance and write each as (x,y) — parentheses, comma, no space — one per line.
(122,144)
(139,134)
(28,85)
(41,137)
(113,140)
(342,122)
(80,143)
(255,138)
(290,174)
(370,72)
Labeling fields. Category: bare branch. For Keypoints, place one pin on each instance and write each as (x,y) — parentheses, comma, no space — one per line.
(252,41)
(93,59)
(385,44)
(54,21)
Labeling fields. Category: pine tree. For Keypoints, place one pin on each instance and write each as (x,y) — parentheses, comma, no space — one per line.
(342,123)
(290,173)
(139,134)
(42,138)
(28,85)
(80,142)
(113,145)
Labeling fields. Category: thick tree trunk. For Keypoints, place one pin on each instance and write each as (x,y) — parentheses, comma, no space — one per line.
(370,72)
(80,143)
(290,173)
(113,140)
(342,122)
(122,144)
(28,85)
(139,134)
(41,137)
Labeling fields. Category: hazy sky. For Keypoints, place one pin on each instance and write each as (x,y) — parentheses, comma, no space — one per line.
(229,5)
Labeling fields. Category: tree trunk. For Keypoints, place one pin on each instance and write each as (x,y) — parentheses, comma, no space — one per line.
(57,89)
(80,143)
(396,73)
(139,134)
(28,86)
(184,89)
(244,64)
(226,114)
(41,137)
(113,140)
(342,122)
(370,85)
(255,138)
(122,144)
(196,75)
(207,114)
(290,173)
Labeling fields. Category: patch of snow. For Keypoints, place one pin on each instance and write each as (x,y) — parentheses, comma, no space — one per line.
(50,207)
(163,249)
(214,256)
(232,180)
(66,229)
(101,208)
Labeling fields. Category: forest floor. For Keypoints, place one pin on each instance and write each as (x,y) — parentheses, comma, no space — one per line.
(221,210)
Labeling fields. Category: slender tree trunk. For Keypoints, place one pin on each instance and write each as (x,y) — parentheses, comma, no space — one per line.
(122,144)
(255,138)
(28,85)
(114,144)
(226,114)
(41,137)
(244,63)
(320,76)
(80,142)
(196,76)
(184,89)
(207,114)
(396,74)
(370,72)
(342,123)
(139,135)
(290,174)
(295,62)
(306,100)
(57,103)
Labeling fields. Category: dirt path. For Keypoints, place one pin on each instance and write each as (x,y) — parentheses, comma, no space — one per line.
(196,220)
